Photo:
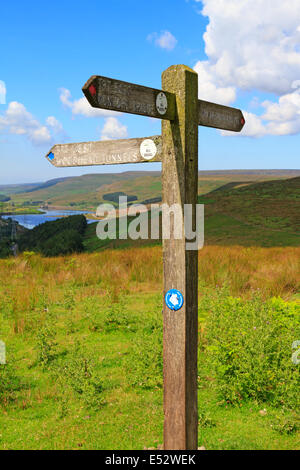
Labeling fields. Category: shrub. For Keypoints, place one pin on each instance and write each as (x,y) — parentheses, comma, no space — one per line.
(46,345)
(79,372)
(117,318)
(249,346)
(10,383)
(144,364)
(5,250)
(286,424)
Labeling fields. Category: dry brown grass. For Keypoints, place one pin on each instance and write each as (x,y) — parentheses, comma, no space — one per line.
(274,271)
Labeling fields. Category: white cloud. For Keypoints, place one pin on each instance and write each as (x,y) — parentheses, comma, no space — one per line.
(253,45)
(17,120)
(54,124)
(40,136)
(286,109)
(164,40)
(209,89)
(2,92)
(254,127)
(82,106)
(113,129)
(281,118)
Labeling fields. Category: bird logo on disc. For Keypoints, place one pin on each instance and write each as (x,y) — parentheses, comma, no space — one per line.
(174,299)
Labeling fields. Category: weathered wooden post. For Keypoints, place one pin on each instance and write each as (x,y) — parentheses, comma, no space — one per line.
(179,186)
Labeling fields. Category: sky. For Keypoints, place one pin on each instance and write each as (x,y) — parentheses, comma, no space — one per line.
(246,54)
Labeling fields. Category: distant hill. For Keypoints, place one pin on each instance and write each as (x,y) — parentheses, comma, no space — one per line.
(8,189)
(87,191)
(239,212)
(267,213)
(260,214)
(45,185)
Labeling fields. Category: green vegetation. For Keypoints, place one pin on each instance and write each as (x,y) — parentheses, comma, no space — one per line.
(248,344)
(5,236)
(114,197)
(5,244)
(83,332)
(58,237)
(241,216)
(262,214)
(84,350)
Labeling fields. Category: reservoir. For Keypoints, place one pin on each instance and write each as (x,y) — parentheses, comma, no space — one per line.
(32,220)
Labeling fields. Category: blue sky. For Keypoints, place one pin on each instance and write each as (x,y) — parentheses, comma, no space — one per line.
(246,56)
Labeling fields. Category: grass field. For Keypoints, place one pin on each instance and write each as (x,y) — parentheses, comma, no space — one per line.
(84,366)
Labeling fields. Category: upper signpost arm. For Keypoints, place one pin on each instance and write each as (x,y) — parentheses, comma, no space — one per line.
(115,95)
(107,93)
(220,117)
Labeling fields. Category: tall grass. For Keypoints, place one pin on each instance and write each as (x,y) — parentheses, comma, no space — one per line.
(30,283)
(275,271)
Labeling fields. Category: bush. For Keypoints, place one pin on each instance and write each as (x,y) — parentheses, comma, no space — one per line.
(144,364)
(249,346)
(5,250)
(10,383)
(79,373)
(117,318)
(46,345)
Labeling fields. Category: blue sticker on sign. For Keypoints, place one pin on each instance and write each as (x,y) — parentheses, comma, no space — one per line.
(50,156)
(174,299)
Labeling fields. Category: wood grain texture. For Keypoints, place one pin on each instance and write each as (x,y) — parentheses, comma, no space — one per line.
(179,180)
(107,93)
(220,117)
(107,152)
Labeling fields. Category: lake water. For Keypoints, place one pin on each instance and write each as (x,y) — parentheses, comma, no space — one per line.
(32,220)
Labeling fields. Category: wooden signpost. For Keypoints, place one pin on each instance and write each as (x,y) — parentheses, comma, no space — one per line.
(107,152)
(181,112)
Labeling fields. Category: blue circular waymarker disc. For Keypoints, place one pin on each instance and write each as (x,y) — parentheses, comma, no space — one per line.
(50,156)
(174,299)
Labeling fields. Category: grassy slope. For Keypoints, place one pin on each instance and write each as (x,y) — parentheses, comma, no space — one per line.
(260,214)
(73,294)
(266,214)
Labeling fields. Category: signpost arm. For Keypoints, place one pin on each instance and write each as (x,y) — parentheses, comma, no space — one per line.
(180,183)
